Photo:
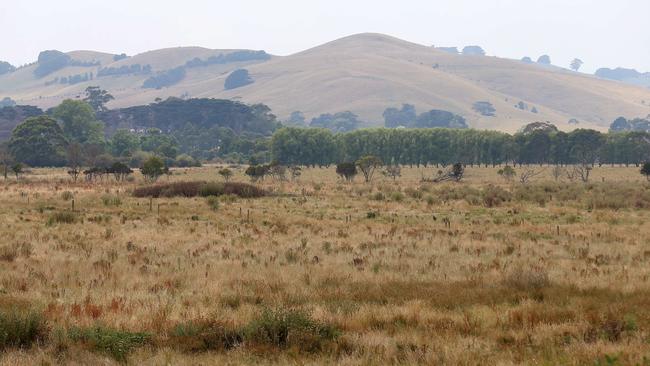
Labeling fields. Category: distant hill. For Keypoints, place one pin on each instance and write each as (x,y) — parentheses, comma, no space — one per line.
(629,76)
(364,74)
(10,117)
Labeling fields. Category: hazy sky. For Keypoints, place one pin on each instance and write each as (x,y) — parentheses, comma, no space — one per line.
(603,33)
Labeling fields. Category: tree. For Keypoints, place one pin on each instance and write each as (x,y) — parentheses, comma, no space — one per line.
(165,78)
(51,61)
(153,168)
(297,118)
(226,174)
(5,158)
(74,153)
(368,165)
(394,117)
(79,123)
(38,141)
(346,170)
(237,79)
(7,102)
(527,60)
(544,60)
(508,173)
(17,169)
(97,98)
(257,172)
(120,171)
(339,122)
(645,170)
(155,141)
(576,64)
(438,118)
(484,108)
(124,143)
(473,51)
(529,174)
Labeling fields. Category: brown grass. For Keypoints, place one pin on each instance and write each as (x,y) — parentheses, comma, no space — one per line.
(479,272)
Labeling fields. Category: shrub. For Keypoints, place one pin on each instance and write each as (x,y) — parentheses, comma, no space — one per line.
(63,217)
(21,329)
(346,171)
(378,196)
(195,189)
(494,196)
(289,328)
(237,79)
(185,161)
(212,189)
(67,196)
(153,168)
(213,202)
(117,344)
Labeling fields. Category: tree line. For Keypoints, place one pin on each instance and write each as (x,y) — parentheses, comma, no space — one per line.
(441,146)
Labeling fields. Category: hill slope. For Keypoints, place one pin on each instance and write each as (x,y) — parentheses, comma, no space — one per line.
(365,74)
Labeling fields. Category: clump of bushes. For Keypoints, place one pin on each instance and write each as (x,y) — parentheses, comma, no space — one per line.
(202,189)
(67,196)
(21,329)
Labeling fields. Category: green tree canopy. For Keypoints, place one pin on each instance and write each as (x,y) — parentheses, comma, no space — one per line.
(124,143)
(79,123)
(97,98)
(39,141)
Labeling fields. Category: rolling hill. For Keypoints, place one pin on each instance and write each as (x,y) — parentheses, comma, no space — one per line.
(364,73)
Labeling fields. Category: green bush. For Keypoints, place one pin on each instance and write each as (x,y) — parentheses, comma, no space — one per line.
(67,196)
(115,343)
(21,329)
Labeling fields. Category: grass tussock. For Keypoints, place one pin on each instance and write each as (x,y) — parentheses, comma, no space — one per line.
(62,217)
(21,328)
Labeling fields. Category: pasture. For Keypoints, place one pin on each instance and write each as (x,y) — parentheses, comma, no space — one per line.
(321,271)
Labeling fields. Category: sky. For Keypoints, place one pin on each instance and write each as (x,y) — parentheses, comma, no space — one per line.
(602,33)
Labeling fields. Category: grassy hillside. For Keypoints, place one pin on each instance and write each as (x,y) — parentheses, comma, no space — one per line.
(366,73)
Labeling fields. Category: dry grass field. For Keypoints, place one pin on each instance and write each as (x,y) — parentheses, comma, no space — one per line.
(482,272)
